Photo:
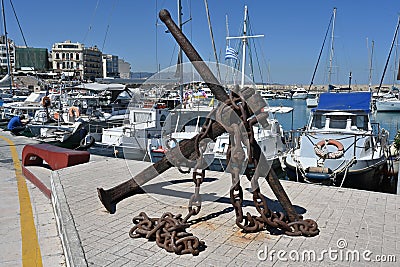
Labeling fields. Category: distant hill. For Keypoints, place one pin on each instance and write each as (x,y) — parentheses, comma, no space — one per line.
(141,75)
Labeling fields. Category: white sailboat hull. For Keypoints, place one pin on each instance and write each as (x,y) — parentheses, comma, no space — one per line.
(388,105)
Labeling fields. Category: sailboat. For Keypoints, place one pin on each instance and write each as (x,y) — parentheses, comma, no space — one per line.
(269,138)
(340,146)
(389,101)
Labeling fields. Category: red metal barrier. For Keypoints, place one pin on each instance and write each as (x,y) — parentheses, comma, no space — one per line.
(56,157)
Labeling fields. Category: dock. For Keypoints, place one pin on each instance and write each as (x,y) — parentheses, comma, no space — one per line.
(356,223)
(356,227)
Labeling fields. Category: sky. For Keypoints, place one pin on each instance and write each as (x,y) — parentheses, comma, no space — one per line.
(293,33)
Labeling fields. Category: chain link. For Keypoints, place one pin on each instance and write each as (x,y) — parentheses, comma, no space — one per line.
(169,231)
(267,218)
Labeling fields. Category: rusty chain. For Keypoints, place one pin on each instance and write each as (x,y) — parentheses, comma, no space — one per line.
(267,218)
(169,231)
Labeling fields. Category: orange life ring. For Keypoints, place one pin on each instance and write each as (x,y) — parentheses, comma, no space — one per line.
(46,101)
(56,115)
(319,151)
(73,111)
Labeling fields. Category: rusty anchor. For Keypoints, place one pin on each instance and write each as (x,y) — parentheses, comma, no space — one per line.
(246,104)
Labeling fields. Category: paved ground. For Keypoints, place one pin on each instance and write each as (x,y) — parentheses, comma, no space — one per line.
(350,219)
(352,222)
(11,206)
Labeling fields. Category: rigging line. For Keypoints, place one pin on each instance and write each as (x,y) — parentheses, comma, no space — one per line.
(212,38)
(250,50)
(263,57)
(391,48)
(395,60)
(91,21)
(255,51)
(7,44)
(108,25)
(19,25)
(23,36)
(320,53)
(173,55)
(251,60)
(156,45)
(258,63)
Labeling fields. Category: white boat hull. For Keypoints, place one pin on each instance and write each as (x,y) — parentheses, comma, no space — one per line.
(388,105)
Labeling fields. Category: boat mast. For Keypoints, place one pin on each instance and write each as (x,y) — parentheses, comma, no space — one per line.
(370,66)
(332,50)
(244,38)
(180,55)
(6,43)
(212,38)
(244,45)
(320,53)
(395,75)
(390,52)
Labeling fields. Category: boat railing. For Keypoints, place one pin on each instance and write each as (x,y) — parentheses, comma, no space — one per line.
(378,141)
(98,127)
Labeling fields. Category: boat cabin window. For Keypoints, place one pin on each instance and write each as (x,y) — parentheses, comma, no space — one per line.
(141,117)
(339,121)
(318,121)
(362,122)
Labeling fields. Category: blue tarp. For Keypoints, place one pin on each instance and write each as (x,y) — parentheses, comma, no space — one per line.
(345,101)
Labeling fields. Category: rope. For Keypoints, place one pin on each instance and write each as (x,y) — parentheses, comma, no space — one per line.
(347,166)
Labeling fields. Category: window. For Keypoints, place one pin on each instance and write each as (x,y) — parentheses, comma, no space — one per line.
(362,122)
(318,121)
(338,122)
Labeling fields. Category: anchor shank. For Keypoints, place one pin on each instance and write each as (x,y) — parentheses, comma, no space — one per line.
(281,195)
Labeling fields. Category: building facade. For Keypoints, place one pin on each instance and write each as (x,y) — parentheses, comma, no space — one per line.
(110,66)
(124,69)
(92,63)
(67,59)
(4,57)
(31,59)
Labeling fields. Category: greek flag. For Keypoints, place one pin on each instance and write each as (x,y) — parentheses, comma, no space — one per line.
(230,53)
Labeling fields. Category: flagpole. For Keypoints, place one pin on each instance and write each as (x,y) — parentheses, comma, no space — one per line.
(244,38)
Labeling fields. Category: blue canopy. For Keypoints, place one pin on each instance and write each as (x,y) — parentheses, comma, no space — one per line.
(345,101)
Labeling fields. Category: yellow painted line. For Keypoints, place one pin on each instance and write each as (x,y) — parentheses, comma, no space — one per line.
(30,246)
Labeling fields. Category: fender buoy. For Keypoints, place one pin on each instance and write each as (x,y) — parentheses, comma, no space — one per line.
(319,151)
(46,102)
(73,111)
